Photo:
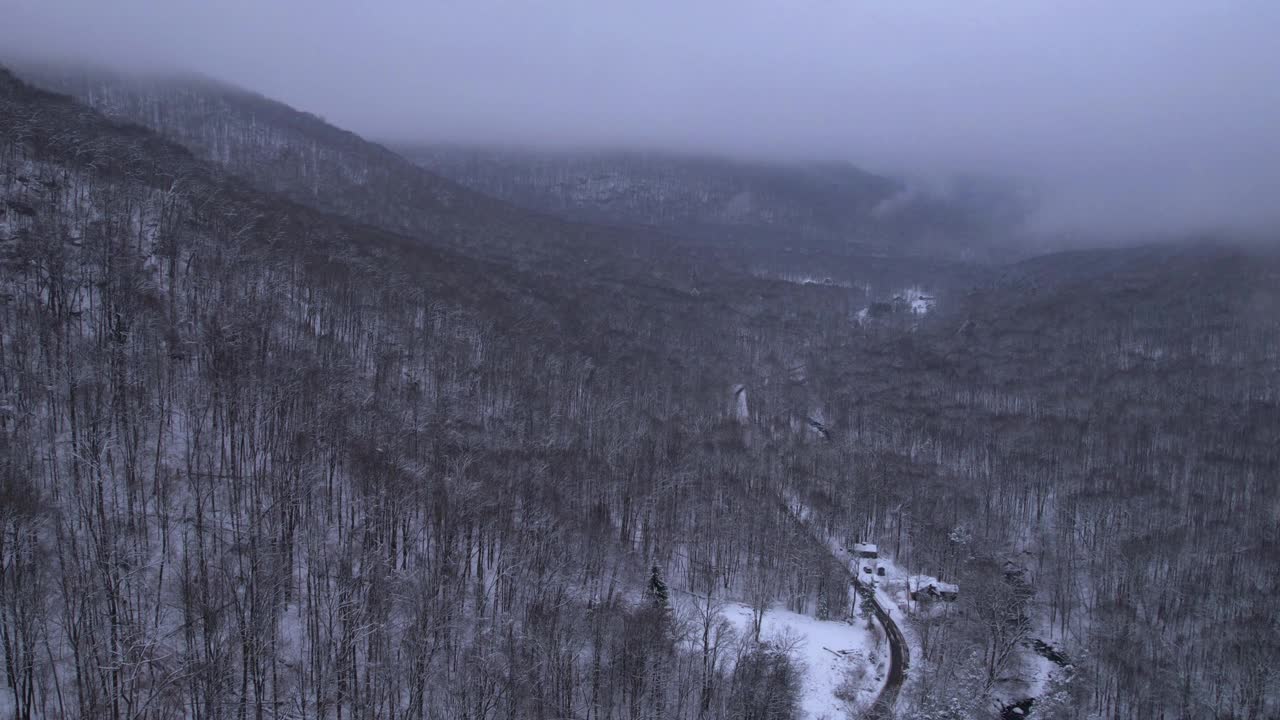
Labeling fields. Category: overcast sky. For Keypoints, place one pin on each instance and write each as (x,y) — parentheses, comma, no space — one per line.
(1153,112)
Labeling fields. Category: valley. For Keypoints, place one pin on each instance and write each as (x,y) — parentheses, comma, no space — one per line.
(295,425)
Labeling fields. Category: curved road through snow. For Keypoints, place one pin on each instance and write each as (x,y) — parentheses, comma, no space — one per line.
(899,655)
(899,658)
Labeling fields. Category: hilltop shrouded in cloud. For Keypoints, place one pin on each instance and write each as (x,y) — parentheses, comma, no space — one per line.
(1132,116)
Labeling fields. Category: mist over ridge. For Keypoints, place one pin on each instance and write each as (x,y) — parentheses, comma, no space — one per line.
(1147,117)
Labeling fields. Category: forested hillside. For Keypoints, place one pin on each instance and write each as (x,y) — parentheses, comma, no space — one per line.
(650,219)
(817,207)
(279,149)
(1105,438)
(261,461)
(290,428)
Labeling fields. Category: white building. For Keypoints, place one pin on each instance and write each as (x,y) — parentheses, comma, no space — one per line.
(927,588)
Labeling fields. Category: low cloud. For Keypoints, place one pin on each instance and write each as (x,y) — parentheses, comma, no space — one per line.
(1140,116)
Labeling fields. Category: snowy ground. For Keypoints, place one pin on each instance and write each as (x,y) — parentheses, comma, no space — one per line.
(1029,677)
(808,279)
(830,653)
(916,299)
(912,299)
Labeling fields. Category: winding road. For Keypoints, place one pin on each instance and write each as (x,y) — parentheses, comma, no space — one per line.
(899,654)
(899,657)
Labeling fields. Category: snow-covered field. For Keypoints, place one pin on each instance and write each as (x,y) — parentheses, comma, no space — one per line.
(916,299)
(831,654)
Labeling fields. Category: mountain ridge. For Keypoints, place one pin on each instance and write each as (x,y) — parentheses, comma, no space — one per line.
(281,149)
(822,206)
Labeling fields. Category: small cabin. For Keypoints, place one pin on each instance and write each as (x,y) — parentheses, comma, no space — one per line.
(926,588)
(866,551)
(866,558)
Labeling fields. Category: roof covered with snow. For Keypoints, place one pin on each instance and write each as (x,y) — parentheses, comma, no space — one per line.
(917,583)
(865,548)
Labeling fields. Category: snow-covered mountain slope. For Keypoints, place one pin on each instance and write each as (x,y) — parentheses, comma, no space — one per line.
(280,149)
(828,206)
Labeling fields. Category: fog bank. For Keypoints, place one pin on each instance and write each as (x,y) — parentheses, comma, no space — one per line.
(1130,117)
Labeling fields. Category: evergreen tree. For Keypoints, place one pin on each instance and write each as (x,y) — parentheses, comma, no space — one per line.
(656,592)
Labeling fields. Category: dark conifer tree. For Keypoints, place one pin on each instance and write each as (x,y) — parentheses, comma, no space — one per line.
(656,592)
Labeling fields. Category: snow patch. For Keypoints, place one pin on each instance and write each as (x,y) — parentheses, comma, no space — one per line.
(740,403)
(832,654)
(807,279)
(916,300)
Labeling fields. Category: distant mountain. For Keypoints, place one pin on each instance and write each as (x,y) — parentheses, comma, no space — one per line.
(77,177)
(671,222)
(828,207)
(299,155)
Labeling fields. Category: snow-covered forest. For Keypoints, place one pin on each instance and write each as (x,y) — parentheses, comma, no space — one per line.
(291,427)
